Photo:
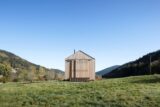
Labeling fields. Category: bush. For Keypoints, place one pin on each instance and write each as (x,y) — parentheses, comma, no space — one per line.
(15,80)
(4,80)
(1,78)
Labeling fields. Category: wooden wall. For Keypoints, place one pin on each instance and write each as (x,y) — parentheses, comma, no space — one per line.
(84,69)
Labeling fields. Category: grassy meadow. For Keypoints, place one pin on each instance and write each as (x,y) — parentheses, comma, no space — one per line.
(140,91)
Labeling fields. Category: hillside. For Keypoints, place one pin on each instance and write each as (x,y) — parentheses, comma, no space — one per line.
(141,66)
(141,91)
(107,70)
(21,68)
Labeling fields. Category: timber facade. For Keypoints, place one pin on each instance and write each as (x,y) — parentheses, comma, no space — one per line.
(80,67)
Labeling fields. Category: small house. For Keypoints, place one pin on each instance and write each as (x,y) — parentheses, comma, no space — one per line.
(80,67)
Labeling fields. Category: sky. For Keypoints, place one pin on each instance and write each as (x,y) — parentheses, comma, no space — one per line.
(114,32)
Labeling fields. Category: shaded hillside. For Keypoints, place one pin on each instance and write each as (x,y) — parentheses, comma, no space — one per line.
(138,67)
(107,70)
(23,68)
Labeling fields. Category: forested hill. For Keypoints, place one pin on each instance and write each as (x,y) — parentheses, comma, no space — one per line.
(107,70)
(24,69)
(138,67)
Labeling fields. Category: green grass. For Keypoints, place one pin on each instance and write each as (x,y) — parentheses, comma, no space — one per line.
(142,91)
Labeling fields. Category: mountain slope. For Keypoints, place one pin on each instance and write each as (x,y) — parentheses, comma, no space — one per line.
(107,70)
(21,66)
(138,67)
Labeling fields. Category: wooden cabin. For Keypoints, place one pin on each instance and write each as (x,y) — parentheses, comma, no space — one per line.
(80,67)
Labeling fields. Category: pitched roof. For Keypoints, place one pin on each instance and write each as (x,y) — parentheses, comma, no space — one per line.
(79,55)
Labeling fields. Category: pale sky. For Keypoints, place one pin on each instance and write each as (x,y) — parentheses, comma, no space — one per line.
(114,32)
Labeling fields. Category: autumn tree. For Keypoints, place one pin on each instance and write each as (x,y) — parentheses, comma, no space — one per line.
(5,71)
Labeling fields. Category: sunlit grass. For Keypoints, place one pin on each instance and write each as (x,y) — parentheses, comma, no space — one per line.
(143,91)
